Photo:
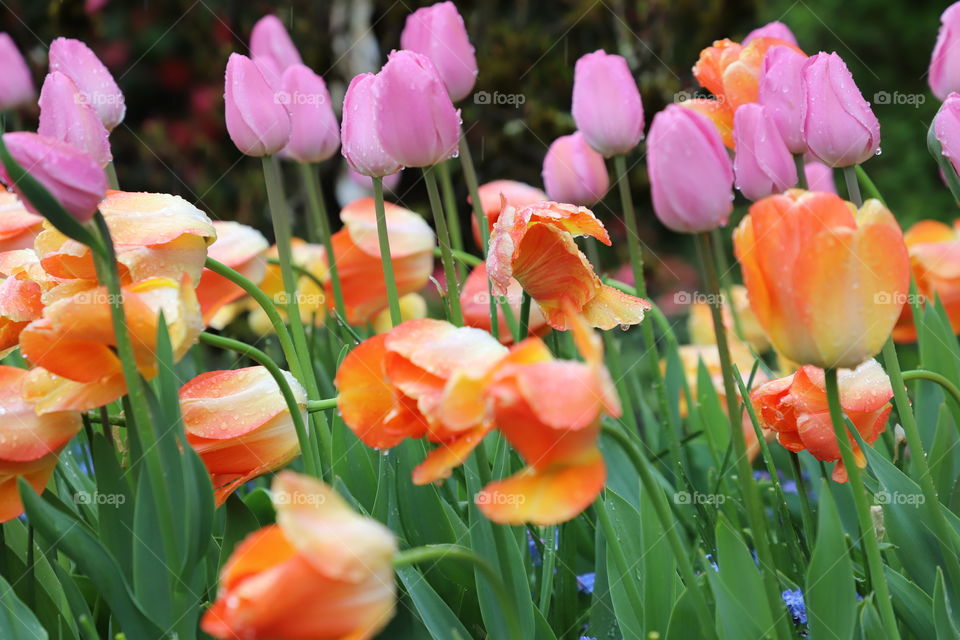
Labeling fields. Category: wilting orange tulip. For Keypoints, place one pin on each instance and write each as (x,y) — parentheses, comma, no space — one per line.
(796,408)
(240,425)
(549,410)
(825,281)
(357,252)
(21,297)
(935,257)
(475,302)
(731,71)
(239,247)
(73,343)
(322,572)
(535,245)
(700,322)
(18,227)
(423,378)
(311,297)
(492,195)
(29,443)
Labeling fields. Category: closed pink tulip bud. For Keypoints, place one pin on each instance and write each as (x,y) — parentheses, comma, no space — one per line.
(416,121)
(66,116)
(573,172)
(606,103)
(315,132)
(774,29)
(16,84)
(782,95)
(690,174)
(257,121)
(944,73)
(76,180)
(270,42)
(819,177)
(360,141)
(439,33)
(94,82)
(762,163)
(838,124)
(946,128)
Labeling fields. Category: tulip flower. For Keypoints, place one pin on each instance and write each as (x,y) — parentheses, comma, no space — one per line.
(819,177)
(240,425)
(774,29)
(16,84)
(29,443)
(75,179)
(21,296)
(73,343)
(475,302)
(535,245)
(826,281)
(944,72)
(412,307)
(439,33)
(781,93)
(718,113)
(310,294)
(731,71)
(796,409)
(314,133)
(271,44)
(92,79)
(573,172)
(691,178)
(67,117)
(257,121)
(18,227)
(241,248)
(492,195)
(416,122)
(357,251)
(838,124)
(762,164)
(321,572)
(606,103)
(946,128)
(360,140)
(700,322)
(934,249)
(424,378)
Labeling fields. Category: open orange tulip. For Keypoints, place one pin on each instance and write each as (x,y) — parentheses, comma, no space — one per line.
(239,247)
(826,281)
(322,572)
(475,302)
(535,244)
(934,249)
(18,227)
(21,296)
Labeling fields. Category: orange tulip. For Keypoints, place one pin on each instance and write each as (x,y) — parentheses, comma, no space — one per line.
(21,297)
(29,443)
(796,409)
(311,297)
(321,573)
(934,250)
(357,252)
(826,282)
(492,194)
(700,322)
(240,425)
(239,247)
(731,71)
(535,245)
(18,227)
(475,302)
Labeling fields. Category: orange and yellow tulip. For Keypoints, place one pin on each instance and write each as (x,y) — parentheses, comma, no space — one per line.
(241,248)
(310,295)
(934,249)
(18,227)
(700,322)
(21,297)
(322,572)
(826,281)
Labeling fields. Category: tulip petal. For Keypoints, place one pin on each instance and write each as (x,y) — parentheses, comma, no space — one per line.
(441,461)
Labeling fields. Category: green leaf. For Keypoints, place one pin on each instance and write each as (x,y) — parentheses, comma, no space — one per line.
(624,579)
(942,613)
(871,626)
(17,621)
(830,594)
(738,588)
(912,606)
(437,617)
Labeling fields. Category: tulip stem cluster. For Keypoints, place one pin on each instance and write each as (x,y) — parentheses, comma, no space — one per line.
(319,226)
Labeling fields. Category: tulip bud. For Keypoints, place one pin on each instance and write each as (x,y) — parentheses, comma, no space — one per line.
(606,103)
(762,164)
(946,128)
(256,120)
(16,85)
(361,144)
(690,174)
(270,42)
(416,121)
(838,124)
(782,94)
(77,181)
(944,72)
(94,82)
(314,133)
(774,29)
(439,33)
(66,116)
(573,172)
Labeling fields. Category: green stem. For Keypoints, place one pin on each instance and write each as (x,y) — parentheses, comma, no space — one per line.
(320,224)
(112,175)
(549,562)
(853,187)
(868,185)
(466,258)
(321,405)
(801,171)
(393,298)
(806,513)
(630,218)
(932,376)
(443,238)
(110,420)
(523,330)
(450,204)
(867,531)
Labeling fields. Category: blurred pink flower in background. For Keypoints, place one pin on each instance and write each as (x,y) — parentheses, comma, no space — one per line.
(439,33)
(315,132)
(606,103)
(16,84)
(573,172)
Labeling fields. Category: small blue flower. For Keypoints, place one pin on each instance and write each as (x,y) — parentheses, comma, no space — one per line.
(793,598)
(713,564)
(585,582)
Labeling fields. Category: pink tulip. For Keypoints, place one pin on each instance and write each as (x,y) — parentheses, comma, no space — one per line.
(16,84)
(315,132)
(838,124)
(270,42)
(946,128)
(944,73)
(690,174)
(257,121)
(439,33)
(606,103)
(416,121)
(75,179)
(361,144)
(774,29)
(573,172)
(782,95)
(94,82)
(819,177)
(66,116)
(762,164)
